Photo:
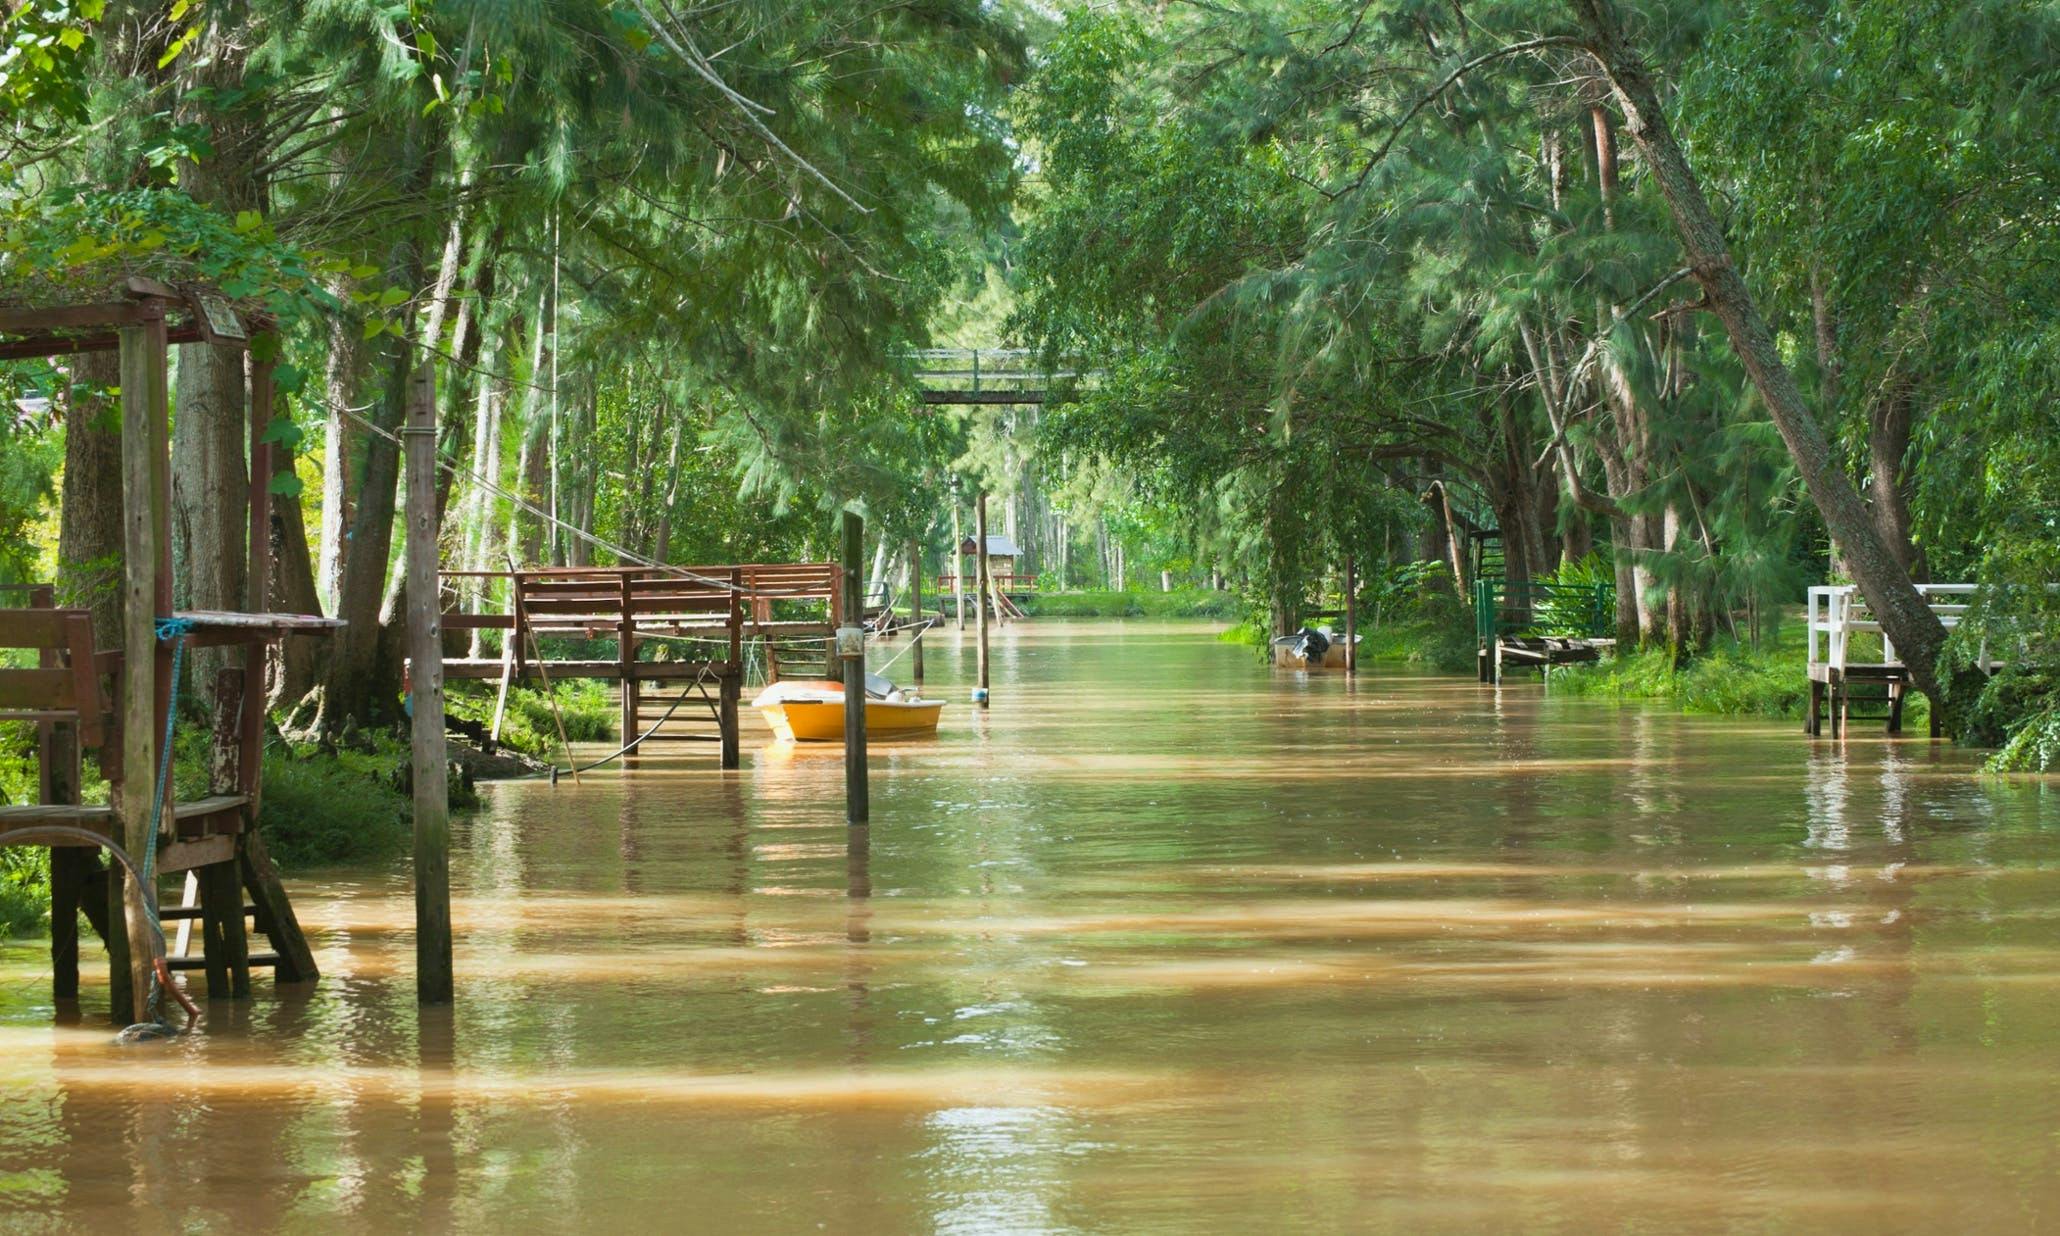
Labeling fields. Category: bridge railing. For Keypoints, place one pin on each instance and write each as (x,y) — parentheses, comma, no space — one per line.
(1538,607)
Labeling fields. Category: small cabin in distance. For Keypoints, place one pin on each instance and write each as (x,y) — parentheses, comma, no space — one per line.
(1001,557)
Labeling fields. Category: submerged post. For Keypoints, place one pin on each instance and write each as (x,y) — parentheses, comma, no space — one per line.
(958,558)
(1351,614)
(982,594)
(851,648)
(146,670)
(433,982)
(915,605)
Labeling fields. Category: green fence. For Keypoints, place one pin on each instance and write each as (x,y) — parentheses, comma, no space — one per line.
(1534,607)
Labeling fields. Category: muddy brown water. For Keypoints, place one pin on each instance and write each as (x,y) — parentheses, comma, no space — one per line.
(1167,941)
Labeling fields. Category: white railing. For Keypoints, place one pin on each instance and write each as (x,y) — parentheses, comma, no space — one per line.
(1837,612)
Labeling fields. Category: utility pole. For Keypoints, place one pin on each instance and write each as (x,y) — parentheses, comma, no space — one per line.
(433,981)
(851,649)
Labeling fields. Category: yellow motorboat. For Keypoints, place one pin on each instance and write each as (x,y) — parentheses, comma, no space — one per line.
(812,710)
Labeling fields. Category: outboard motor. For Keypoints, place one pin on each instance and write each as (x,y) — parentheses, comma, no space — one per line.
(1312,644)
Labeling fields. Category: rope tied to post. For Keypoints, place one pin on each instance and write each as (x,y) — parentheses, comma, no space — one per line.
(176,630)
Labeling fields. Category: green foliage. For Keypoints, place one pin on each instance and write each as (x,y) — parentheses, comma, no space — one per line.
(24,889)
(1430,628)
(75,244)
(333,809)
(586,707)
(1134,603)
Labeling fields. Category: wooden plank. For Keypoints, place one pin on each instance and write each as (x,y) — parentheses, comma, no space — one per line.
(98,818)
(275,917)
(281,624)
(433,979)
(44,690)
(36,628)
(70,317)
(187,854)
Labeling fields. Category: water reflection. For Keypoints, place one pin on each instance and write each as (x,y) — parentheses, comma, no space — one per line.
(1163,942)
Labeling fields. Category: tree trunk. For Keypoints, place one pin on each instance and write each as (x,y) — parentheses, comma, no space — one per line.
(1888,440)
(89,530)
(1904,617)
(340,383)
(209,479)
(293,591)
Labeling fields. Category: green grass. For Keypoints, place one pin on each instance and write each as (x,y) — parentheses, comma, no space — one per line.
(1734,678)
(1132,603)
(587,708)
(1433,631)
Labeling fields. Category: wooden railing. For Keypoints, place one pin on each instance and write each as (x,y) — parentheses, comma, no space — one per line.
(1007,581)
(1837,612)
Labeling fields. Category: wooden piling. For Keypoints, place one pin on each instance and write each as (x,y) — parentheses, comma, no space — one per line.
(915,604)
(146,587)
(857,796)
(433,979)
(1351,615)
(958,560)
(985,587)
(728,693)
(626,661)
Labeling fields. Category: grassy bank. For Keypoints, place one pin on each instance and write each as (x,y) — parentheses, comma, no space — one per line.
(1131,603)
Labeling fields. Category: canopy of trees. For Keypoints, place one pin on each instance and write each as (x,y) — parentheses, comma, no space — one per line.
(1714,301)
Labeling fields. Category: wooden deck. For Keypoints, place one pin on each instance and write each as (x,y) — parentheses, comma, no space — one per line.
(697,618)
(1852,664)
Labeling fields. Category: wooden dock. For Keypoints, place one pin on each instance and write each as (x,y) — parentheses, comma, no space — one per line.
(694,621)
(1853,664)
(1520,623)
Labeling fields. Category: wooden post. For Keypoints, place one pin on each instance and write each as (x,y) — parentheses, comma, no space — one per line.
(857,796)
(433,982)
(1351,614)
(145,539)
(985,589)
(731,688)
(915,604)
(57,763)
(626,662)
(958,563)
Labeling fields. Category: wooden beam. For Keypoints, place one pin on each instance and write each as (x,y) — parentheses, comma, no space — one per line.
(915,604)
(970,397)
(986,589)
(72,317)
(857,796)
(433,980)
(145,532)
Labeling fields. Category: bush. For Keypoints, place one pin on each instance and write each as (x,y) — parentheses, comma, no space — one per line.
(1734,678)
(587,708)
(1131,603)
(1433,630)
(24,888)
(2019,712)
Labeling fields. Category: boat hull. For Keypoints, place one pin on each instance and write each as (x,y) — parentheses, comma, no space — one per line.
(822,719)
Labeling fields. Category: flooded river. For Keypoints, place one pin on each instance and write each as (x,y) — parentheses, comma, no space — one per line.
(1166,942)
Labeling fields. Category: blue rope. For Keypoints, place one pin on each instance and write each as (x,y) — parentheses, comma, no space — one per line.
(176,630)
